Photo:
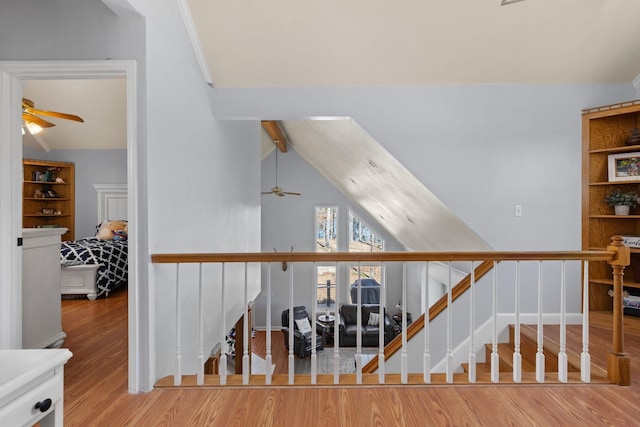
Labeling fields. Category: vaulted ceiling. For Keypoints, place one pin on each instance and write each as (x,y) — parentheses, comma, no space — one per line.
(417,42)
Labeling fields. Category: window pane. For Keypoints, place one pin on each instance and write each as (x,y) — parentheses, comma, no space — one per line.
(362,238)
(326,289)
(326,229)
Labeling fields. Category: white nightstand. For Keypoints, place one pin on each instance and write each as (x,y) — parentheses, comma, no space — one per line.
(32,387)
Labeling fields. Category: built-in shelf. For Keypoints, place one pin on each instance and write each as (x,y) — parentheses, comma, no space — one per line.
(605,132)
(593,184)
(610,283)
(616,216)
(38,211)
(47,199)
(623,149)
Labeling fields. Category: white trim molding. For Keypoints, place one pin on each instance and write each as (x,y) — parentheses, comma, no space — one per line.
(195,41)
(110,199)
(636,84)
(12,73)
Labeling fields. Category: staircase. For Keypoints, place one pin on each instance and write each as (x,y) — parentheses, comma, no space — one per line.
(528,351)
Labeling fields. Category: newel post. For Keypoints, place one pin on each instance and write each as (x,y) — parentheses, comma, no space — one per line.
(618,366)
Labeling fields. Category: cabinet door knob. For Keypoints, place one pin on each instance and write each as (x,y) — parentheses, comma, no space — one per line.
(44,405)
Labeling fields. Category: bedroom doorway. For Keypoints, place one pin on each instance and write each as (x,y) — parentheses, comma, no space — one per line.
(13,75)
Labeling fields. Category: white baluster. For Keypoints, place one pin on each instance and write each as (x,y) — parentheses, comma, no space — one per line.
(200,373)
(540,360)
(426,358)
(562,355)
(314,291)
(472,326)
(177,376)
(585,358)
(517,357)
(359,328)
(246,366)
(495,357)
(268,359)
(291,327)
(383,304)
(223,353)
(449,356)
(404,369)
(336,334)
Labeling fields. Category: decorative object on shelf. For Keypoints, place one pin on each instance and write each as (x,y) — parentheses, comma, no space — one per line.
(631,241)
(634,138)
(622,202)
(49,185)
(624,167)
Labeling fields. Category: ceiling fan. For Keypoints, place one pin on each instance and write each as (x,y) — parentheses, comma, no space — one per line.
(277,190)
(34,123)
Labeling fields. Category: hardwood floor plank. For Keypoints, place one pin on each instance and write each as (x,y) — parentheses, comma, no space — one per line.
(96,389)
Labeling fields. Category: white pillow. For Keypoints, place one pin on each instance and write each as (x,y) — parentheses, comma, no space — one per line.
(374,319)
(303,325)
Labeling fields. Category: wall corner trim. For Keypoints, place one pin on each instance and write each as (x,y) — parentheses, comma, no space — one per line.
(636,82)
(195,41)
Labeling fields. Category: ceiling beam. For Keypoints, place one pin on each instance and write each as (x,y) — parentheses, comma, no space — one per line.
(275,133)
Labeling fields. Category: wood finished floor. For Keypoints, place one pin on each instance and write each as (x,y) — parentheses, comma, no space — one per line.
(96,391)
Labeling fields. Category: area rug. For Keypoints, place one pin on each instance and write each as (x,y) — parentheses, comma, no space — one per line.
(325,360)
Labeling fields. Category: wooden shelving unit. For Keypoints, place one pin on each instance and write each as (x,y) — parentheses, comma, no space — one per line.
(604,132)
(42,209)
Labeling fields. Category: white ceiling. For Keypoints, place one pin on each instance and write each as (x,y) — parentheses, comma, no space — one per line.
(417,42)
(100,103)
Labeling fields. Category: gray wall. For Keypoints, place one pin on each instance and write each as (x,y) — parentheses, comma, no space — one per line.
(92,167)
(481,150)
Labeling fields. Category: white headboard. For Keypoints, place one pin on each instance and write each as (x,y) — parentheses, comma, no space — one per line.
(112,201)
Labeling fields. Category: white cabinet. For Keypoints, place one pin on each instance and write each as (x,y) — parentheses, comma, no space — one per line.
(41,306)
(32,387)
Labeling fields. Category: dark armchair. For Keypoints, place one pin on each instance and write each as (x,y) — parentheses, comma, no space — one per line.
(302,342)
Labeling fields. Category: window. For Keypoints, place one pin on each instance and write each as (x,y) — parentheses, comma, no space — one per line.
(326,229)
(326,287)
(364,239)
(326,241)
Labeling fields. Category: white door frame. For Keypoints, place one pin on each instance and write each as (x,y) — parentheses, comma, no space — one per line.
(12,73)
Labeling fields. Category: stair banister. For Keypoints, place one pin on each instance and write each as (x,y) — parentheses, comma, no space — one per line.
(618,363)
(617,255)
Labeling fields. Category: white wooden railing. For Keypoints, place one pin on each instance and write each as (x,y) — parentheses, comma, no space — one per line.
(493,266)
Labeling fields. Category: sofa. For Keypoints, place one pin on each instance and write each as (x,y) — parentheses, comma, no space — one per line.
(348,325)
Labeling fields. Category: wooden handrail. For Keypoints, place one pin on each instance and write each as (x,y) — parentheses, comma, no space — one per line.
(382,256)
(617,255)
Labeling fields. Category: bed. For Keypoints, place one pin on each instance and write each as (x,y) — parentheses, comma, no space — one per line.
(96,265)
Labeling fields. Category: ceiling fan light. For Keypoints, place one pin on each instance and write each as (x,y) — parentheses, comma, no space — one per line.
(22,128)
(33,128)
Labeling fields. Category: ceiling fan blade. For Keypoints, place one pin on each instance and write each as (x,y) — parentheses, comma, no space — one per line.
(28,107)
(292,194)
(56,114)
(28,117)
(267,192)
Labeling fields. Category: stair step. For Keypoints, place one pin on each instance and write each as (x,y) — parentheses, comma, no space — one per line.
(528,351)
